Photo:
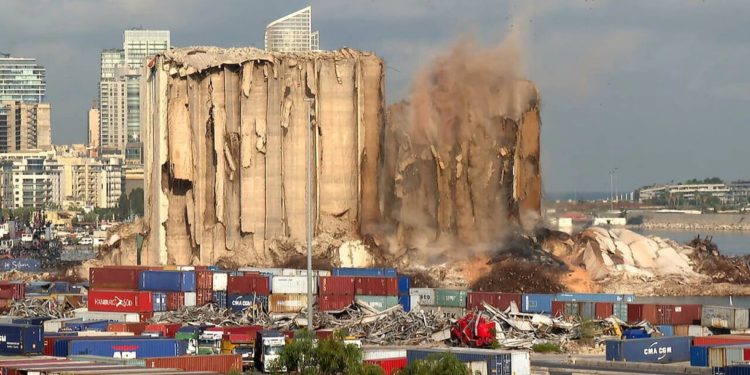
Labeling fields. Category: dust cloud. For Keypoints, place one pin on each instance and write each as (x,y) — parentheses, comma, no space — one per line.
(461,156)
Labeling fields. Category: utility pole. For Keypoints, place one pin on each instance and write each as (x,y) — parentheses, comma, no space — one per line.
(308,203)
(611,189)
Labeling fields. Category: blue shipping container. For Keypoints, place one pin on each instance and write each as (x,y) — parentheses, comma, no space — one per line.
(20,339)
(666,330)
(37,321)
(130,348)
(537,303)
(220,299)
(239,302)
(733,370)
(20,264)
(699,354)
(594,297)
(498,362)
(38,287)
(403,285)
(634,333)
(86,325)
(405,301)
(160,301)
(661,349)
(364,272)
(167,281)
(60,287)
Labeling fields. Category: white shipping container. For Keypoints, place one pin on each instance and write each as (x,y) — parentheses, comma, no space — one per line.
(272,271)
(698,331)
(477,367)
(8,319)
(314,272)
(54,325)
(426,296)
(376,354)
(520,362)
(190,298)
(103,333)
(85,314)
(292,285)
(220,281)
(186,268)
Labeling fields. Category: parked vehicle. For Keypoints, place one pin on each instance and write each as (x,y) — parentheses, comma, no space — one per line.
(268,346)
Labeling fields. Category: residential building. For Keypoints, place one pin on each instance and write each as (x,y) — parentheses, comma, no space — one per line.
(684,193)
(93,134)
(29,179)
(292,33)
(119,92)
(22,80)
(91,182)
(739,192)
(25,126)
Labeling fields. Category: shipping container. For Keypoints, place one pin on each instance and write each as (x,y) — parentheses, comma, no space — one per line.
(666,330)
(660,349)
(20,264)
(34,321)
(334,302)
(725,317)
(203,296)
(17,288)
(220,280)
(450,297)
(240,302)
(263,270)
(376,286)
(537,303)
(379,303)
(287,303)
(162,329)
(85,325)
(190,299)
(717,356)
(250,284)
(220,299)
(364,272)
(426,296)
(564,308)
(336,285)
(221,363)
(60,287)
(620,310)
(497,300)
(448,312)
(603,310)
(54,325)
(175,301)
(120,301)
(204,280)
(404,284)
(129,348)
(498,362)
(160,301)
(292,285)
(733,370)
(407,301)
(594,297)
(685,314)
(390,366)
(373,353)
(20,339)
(114,277)
(136,328)
(85,314)
(586,310)
(721,340)
(167,281)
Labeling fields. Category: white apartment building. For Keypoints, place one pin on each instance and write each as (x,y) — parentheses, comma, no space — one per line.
(91,182)
(30,179)
(688,192)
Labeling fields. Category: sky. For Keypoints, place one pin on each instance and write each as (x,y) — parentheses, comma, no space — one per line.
(659,89)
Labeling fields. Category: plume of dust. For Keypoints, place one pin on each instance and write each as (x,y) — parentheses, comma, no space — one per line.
(469,90)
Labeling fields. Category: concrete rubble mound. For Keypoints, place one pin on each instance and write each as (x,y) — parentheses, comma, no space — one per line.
(224,134)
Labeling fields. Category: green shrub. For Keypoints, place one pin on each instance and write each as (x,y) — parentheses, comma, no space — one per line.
(437,364)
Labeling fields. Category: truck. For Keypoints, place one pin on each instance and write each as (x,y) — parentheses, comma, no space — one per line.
(268,346)
(209,342)
(191,334)
(242,344)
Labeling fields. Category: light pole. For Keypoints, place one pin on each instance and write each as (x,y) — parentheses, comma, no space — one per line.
(308,203)
(611,189)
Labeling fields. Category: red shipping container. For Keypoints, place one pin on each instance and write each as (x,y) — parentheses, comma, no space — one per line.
(376,286)
(249,284)
(746,355)
(122,278)
(145,316)
(175,300)
(603,310)
(165,329)
(721,340)
(203,297)
(18,289)
(638,312)
(324,334)
(495,299)
(336,285)
(558,308)
(204,280)
(686,314)
(221,363)
(334,302)
(136,328)
(238,330)
(126,301)
(390,366)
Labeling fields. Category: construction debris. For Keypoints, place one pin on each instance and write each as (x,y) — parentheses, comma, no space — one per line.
(29,308)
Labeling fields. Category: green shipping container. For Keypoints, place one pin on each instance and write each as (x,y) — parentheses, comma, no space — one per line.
(379,302)
(450,297)
(620,310)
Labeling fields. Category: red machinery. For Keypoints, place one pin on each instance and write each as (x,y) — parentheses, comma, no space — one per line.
(474,330)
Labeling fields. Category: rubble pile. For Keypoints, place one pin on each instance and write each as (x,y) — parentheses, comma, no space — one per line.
(721,269)
(31,308)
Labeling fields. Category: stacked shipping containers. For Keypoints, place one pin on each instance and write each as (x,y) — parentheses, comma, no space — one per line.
(336,292)
(247,289)
(378,287)
(450,302)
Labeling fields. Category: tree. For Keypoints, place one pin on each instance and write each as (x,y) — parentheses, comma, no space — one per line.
(136,201)
(123,207)
(437,364)
(307,356)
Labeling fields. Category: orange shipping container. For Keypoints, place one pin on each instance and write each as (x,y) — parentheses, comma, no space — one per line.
(222,363)
(136,328)
(204,280)
(287,303)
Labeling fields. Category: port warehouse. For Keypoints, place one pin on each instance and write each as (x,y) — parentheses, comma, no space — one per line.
(120,299)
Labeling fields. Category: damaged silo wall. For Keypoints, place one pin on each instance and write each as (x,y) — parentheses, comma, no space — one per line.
(461,157)
(224,135)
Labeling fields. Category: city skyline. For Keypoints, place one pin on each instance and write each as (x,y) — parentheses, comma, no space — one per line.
(594,91)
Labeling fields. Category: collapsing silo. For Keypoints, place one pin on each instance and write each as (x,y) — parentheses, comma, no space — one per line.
(224,134)
(461,157)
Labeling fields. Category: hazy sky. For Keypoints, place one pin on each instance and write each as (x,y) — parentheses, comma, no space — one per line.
(657,88)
